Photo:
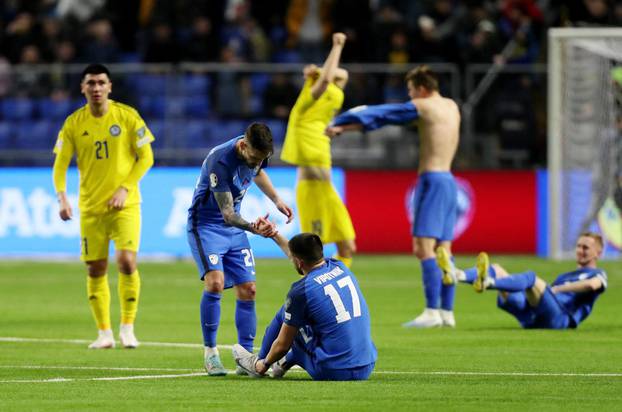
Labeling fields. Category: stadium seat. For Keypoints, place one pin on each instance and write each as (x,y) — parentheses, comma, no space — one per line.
(35,135)
(158,131)
(54,109)
(195,134)
(197,106)
(17,109)
(151,84)
(194,84)
(6,136)
(278,128)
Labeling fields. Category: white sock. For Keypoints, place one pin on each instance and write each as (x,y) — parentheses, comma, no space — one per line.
(211,351)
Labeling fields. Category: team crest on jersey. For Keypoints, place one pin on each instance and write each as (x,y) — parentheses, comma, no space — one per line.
(213,259)
(115,130)
(213,179)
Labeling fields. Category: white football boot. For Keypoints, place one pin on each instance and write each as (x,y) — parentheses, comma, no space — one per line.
(105,340)
(245,360)
(430,318)
(448,318)
(127,338)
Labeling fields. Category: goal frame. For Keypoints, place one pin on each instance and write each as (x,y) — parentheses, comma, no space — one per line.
(554,125)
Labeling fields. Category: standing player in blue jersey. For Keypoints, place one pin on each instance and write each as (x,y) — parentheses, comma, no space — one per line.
(563,304)
(325,322)
(217,233)
(436,194)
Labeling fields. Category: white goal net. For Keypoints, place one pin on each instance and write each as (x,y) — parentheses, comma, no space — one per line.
(584,137)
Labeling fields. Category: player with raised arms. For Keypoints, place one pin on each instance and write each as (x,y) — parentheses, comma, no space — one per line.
(320,209)
(435,203)
(217,233)
(564,304)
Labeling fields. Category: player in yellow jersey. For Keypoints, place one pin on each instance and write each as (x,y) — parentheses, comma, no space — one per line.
(320,209)
(112,146)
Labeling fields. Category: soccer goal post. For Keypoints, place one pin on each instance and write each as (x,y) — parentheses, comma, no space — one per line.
(584,136)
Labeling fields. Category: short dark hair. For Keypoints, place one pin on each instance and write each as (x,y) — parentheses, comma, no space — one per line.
(307,247)
(260,137)
(422,76)
(95,68)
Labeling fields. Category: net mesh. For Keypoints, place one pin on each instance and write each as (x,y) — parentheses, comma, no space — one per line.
(590,128)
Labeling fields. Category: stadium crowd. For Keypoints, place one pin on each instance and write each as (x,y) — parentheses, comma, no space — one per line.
(279,31)
(64,32)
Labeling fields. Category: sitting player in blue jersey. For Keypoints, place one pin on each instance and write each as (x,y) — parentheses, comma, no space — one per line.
(324,326)
(535,304)
(217,233)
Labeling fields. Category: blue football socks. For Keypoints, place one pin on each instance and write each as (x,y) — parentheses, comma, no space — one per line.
(431,282)
(272,331)
(516,282)
(246,323)
(210,317)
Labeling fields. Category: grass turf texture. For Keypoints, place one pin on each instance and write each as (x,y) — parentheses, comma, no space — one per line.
(415,368)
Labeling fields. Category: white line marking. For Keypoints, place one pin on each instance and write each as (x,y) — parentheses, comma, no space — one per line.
(85,341)
(194,372)
(115,378)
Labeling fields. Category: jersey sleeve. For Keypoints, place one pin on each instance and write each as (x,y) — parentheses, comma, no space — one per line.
(218,176)
(64,150)
(376,116)
(602,275)
(141,135)
(305,98)
(295,306)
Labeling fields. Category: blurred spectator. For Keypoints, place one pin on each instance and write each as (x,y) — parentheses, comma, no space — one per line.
(203,44)
(279,96)
(352,17)
(100,45)
(82,10)
(398,52)
(482,44)
(436,38)
(520,21)
(309,24)
(386,21)
(161,47)
(243,36)
(232,89)
(18,34)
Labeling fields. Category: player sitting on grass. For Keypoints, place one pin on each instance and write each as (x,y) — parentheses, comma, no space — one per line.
(325,321)
(535,304)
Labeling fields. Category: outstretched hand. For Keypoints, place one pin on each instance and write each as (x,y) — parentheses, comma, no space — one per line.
(286,210)
(264,227)
(333,131)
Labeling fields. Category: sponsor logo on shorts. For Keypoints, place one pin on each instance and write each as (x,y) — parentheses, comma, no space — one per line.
(213,259)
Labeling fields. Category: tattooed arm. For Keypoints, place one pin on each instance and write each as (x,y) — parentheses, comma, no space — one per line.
(225,204)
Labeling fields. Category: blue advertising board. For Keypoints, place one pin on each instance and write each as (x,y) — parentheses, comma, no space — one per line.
(30,226)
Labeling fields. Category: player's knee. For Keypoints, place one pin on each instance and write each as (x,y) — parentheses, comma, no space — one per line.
(247,291)
(97,268)
(126,264)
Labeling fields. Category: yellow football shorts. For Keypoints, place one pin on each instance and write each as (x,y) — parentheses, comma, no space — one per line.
(322,212)
(97,230)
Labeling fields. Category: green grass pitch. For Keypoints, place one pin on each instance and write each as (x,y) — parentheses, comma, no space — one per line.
(486,363)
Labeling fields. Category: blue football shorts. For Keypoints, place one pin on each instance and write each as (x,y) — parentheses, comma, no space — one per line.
(435,206)
(216,248)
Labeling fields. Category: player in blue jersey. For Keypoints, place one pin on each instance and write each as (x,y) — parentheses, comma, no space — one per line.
(324,326)
(563,304)
(436,195)
(217,233)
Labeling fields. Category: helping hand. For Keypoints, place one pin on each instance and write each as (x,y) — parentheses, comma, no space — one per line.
(286,210)
(264,227)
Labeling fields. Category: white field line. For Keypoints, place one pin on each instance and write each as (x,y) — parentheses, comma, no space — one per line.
(195,372)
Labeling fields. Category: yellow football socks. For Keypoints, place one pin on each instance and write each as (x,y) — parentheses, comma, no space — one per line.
(346,261)
(98,293)
(129,292)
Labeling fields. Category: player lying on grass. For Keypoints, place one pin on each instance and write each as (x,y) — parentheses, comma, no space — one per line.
(535,304)
(324,325)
